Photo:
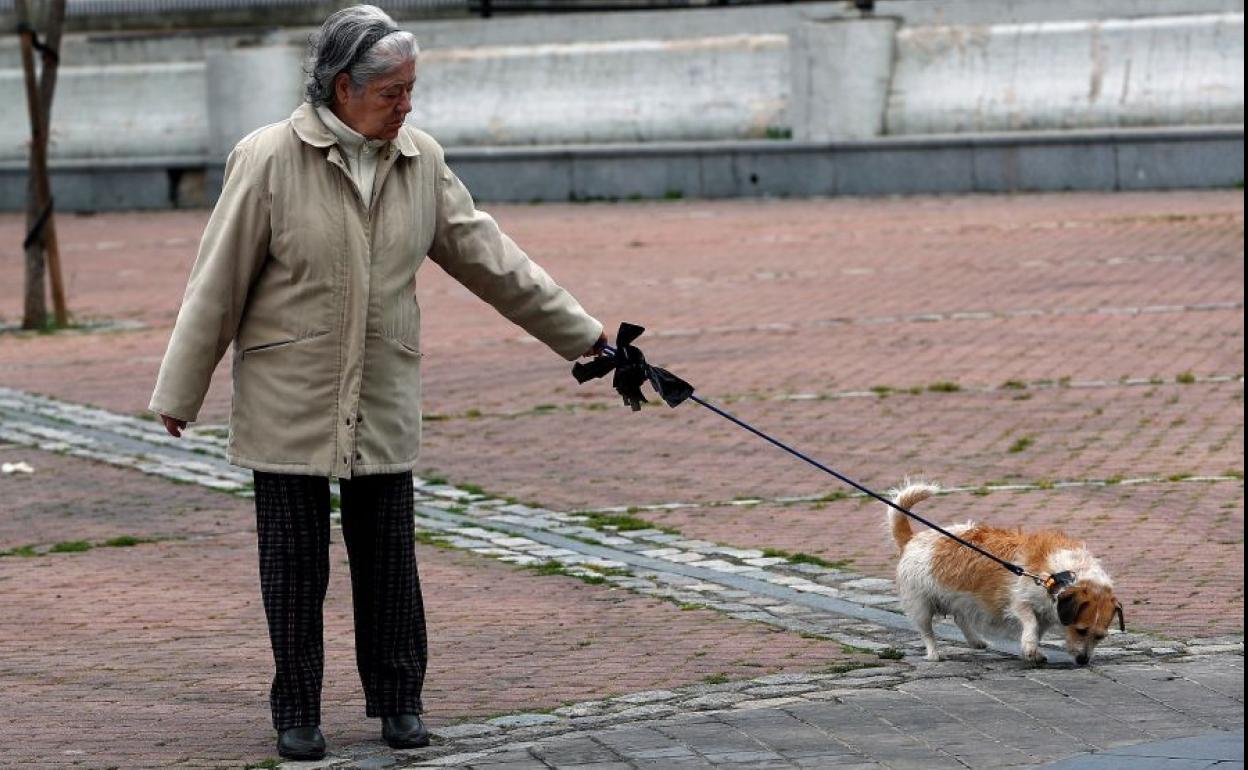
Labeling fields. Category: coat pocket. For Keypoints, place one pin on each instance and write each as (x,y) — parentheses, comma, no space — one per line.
(284,394)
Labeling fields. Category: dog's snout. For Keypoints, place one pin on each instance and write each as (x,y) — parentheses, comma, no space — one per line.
(1082,659)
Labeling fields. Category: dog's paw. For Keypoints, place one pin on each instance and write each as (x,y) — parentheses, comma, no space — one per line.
(934,657)
(978,644)
(1034,657)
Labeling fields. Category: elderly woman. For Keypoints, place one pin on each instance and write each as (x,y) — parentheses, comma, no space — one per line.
(308,265)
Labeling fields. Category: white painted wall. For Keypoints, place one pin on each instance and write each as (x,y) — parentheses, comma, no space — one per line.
(1171,70)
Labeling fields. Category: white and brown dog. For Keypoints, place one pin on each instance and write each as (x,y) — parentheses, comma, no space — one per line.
(937,576)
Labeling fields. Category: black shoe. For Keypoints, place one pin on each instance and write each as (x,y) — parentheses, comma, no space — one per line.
(404,731)
(304,742)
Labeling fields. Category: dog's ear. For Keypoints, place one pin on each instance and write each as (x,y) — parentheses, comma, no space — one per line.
(1068,608)
(1122,621)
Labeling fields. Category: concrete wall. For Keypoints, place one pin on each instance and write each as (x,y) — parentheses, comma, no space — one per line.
(1172,70)
(125,111)
(732,87)
(163,109)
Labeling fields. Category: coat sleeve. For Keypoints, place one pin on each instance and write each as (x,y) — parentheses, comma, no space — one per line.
(231,255)
(469,245)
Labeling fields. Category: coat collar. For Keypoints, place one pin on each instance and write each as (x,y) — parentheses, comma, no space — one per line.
(312,130)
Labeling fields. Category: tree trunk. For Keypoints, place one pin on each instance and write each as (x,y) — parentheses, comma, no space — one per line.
(39,104)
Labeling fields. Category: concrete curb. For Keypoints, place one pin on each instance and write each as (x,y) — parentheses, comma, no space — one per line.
(1099,159)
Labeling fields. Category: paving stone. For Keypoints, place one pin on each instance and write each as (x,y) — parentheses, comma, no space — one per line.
(585,709)
(465,730)
(870,585)
(713,701)
(771,691)
(523,720)
(767,703)
(643,712)
(573,750)
(649,696)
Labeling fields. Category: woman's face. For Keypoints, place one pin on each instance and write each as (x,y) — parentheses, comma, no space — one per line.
(376,111)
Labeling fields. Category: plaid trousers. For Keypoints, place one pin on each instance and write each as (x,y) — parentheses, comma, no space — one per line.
(292,525)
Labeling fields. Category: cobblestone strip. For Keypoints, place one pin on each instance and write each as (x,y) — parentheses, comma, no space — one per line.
(748,584)
(979,713)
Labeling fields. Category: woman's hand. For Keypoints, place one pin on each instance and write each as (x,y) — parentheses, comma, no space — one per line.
(596,348)
(173,425)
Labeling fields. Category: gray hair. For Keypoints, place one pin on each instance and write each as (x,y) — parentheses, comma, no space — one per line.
(362,41)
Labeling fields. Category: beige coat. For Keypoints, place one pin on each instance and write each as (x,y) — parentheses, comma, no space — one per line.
(318,296)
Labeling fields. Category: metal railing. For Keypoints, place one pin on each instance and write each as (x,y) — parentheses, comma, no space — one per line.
(98,15)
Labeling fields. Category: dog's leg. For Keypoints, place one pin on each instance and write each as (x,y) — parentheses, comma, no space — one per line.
(1030,640)
(968,631)
(922,618)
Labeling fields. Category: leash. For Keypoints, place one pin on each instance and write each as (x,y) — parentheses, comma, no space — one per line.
(631,370)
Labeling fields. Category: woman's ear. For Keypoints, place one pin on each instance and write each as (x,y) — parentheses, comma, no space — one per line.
(342,87)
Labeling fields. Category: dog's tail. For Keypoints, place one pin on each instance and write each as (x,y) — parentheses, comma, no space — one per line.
(906,496)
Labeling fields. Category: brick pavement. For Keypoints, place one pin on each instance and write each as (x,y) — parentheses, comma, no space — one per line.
(754,301)
(156,655)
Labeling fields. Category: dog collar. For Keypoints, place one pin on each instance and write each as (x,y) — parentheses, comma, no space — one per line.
(1058,582)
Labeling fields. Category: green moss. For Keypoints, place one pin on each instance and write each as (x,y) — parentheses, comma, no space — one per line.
(425,537)
(1185,378)
(1021,445)
(805,558)
(70,546)
(622,522)
(715,678)
(891,653)
(22,550)
(944,387)
(125,541)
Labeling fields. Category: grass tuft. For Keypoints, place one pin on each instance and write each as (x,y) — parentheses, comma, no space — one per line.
(1021,445)
(125,541)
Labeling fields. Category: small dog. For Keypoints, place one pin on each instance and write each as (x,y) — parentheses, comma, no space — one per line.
(937,576)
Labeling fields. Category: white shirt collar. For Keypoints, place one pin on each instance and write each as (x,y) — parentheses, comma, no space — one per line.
(350,139)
